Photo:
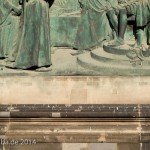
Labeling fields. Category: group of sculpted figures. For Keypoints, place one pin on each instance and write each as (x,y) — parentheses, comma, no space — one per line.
(118,12)
(31,45)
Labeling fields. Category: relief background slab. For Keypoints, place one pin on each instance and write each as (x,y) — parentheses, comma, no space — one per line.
(74,90)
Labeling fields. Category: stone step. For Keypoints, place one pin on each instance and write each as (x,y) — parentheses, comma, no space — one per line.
(101,55)
(86,61)
(119,50)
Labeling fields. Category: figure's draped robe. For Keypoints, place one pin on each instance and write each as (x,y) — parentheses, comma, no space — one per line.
(141,9)
(142,13)
(34,40)
(5,11)
(93,27)
(143,16)
(10,30)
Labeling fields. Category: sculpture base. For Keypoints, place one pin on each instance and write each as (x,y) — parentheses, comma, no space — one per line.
(113,61)
(119,50)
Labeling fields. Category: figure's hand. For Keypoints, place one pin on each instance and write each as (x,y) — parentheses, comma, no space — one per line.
(17,10)
(14,13)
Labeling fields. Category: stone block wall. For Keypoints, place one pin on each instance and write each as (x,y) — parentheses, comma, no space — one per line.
(64,146)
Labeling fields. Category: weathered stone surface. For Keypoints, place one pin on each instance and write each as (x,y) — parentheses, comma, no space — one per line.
(1,147)
(90,131)
(40,146)
(75,110)
(145,146)
(72,123)
(74,146)
(59,124)
(103,146)
(129,147)
(46,89)
(92,146)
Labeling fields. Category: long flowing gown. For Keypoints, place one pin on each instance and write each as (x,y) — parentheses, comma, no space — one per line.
(10,28)
(93,27)
(33,49)
(5,11)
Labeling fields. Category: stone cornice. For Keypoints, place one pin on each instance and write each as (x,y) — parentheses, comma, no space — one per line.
(111,123)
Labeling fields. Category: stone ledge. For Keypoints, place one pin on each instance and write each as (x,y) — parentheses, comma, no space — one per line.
(99,124)
(75,111)
(100,131)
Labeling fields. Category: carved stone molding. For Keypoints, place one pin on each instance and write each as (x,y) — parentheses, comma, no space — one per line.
(76,123)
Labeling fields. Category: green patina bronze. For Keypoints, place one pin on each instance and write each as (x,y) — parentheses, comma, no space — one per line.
(9,12)
(93,24)
(30,28)
(32,47)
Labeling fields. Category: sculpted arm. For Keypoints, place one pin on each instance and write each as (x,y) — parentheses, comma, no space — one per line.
(12,7)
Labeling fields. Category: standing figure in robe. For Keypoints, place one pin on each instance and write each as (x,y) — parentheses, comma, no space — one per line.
(7,9)
(33,45)
(12,29)
(93,28)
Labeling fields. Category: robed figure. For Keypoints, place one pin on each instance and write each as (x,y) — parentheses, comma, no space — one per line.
(94,27)
(9,11)
(33,45)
